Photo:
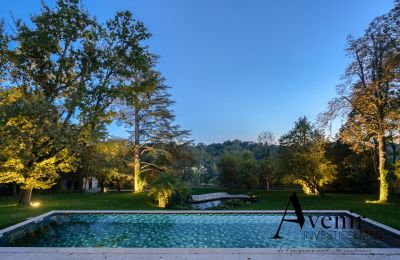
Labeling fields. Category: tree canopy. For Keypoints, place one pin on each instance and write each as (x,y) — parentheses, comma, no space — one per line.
(369,98)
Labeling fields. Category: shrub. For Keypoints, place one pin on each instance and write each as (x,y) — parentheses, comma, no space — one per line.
(169,191)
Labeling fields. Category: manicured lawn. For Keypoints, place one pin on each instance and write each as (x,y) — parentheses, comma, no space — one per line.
(11,214)
(388,213)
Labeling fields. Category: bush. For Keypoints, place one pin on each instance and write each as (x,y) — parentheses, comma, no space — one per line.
(169,191)
(180,195)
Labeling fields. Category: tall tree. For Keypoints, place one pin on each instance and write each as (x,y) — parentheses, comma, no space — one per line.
(369,98)
(268,142)
(48,65)
(116,47)
(146,109)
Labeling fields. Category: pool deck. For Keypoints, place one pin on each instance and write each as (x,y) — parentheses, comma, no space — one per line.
(27,253)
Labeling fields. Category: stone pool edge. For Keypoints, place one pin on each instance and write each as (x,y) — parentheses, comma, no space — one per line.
(185,251)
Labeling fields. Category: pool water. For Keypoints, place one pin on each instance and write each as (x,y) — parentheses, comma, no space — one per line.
(188,231)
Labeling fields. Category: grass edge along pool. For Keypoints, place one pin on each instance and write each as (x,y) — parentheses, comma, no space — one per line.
(244,237)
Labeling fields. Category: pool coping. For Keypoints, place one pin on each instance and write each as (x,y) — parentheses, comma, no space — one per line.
(216,251)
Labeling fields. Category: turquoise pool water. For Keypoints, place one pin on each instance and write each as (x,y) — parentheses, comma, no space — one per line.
(190,231)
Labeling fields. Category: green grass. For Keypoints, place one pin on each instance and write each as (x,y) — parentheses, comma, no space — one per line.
(11,214)
(388,213)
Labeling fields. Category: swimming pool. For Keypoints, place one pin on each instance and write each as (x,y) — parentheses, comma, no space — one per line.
(197,229)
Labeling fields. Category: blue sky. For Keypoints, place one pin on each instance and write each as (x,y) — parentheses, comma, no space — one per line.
(239,67)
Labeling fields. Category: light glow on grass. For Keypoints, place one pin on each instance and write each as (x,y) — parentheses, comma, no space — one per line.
(374,202)
(35,204)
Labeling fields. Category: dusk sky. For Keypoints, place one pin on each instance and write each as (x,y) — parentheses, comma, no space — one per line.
(239,67)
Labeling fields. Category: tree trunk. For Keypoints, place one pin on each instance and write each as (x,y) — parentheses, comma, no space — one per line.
(79,184)
(137,186)
(118,186)
(24,199)
(384,188)
(86,177)
(14,189)
(102,186)
(136,163)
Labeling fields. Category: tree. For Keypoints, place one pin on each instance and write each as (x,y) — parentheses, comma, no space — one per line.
(116,47)
(397,171)
(74,68)
(311,169)
(26,130)
(303,160)
(113,161)
(108,161)
(248,171)
(356,171)
(369,98)
(146,110)
(268,141)
(266,138)
(4,41)
(48,64)
(229,168)
(121,161)
(267,171)
(183,161)
(169,191)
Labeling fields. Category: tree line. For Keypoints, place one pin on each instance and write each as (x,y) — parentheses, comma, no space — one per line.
(304,156)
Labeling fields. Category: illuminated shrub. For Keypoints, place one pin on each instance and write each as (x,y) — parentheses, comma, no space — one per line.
(169,192)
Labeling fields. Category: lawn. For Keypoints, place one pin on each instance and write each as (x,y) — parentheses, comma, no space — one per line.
(388,213)
(11,214)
